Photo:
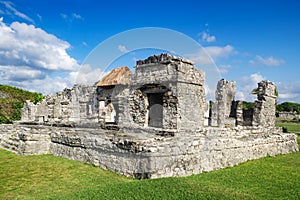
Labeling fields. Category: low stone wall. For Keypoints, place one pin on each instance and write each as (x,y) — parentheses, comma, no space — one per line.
(288,115)
(25,140)
(143,155)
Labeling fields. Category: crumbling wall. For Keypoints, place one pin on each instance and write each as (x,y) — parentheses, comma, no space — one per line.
(138,107)
(28,111)
(288,115)
(170,104)
(265,105)
(120,99)
(222,107)
(78,105)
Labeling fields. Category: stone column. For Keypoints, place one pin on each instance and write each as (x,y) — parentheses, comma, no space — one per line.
(239,113)
(264,106)
(221,108)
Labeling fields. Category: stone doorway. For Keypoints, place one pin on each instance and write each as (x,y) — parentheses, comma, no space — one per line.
(155,109)
(107,113)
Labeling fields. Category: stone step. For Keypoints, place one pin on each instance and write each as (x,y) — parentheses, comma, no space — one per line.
(10,142)
(8,147)
(14,138)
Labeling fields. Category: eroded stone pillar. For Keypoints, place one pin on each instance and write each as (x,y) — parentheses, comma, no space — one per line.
(265,105)
(221,108)
(239,113)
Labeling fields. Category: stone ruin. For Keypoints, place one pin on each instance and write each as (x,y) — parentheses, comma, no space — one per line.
(285,115)
(153,123)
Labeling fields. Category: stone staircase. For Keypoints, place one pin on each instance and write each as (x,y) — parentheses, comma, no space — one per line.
(10,142)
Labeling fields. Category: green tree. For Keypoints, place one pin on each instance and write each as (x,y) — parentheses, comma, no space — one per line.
(288,107)
(248,105)
(12,100)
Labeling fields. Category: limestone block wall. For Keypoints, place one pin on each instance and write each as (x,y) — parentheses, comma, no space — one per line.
(25,140)
(171,110)
(191,106)
(164,69)
(141,156)
(183,95)
(78,105)
(288,115)
(138,107)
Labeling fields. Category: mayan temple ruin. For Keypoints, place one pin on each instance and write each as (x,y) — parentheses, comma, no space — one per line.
(155,122)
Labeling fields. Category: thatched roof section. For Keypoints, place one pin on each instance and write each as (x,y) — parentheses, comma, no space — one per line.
(118,76)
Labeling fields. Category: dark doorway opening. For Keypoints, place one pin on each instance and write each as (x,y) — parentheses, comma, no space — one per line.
(155,114)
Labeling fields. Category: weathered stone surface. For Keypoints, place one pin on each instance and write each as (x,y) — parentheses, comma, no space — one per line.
(138,155)
(222,107)
(24,140)
(239,113)
(265,105)
(78,105)
(288,115)
(166,92)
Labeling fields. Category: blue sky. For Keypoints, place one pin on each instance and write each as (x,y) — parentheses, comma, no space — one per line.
(43,44)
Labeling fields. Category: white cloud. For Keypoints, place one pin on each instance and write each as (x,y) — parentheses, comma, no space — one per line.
(122,48)
(216,52)
(246,84)
(35,80)
(287,96)
(70,18)
(26,45)
(48,85)
(11,10)
(34,59)
(210,54)
(206,37)
(286,91)
(64,16)
(88,75)
(19,73)
(289,92)
(77,16)
(39,17)
(268,61)
(223,69)
(206,58)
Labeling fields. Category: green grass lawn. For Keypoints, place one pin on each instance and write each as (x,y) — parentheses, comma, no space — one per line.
(50,177)
(291,127)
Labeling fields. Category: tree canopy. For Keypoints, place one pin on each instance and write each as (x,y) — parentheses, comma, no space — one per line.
(12,100)
(288,107)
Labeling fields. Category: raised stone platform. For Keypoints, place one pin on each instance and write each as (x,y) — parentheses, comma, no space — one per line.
(156,123)
(146,155)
